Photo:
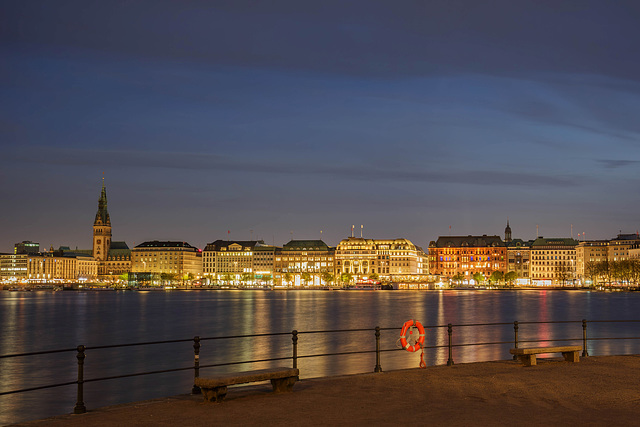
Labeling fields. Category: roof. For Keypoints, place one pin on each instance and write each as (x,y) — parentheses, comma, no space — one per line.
(219,244)
(302,245)
(558,241)
(165,244)
(118,245)
(470,241)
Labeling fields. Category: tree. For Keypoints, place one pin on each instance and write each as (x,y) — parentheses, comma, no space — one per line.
(511,277)
(592,271)
(496,277)
(287,278)
(346,278)
(478,277)
(457,279)
(246,278)
(228,278)
(374,276)
(305,277)
(327,277)
(562,273)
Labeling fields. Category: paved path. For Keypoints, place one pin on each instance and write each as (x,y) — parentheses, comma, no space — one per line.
(598,391)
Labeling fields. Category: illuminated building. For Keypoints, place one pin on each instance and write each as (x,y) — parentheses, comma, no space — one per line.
(163,257)
(60,266)
(247,262)
(13,267)
(303,263)
(392,259)
(463,256)
(553,261)
(518,258)
(587,254)
(619,247)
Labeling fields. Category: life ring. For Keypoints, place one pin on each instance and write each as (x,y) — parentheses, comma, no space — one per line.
(403,336)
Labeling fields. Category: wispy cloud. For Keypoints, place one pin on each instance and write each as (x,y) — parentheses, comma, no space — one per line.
(615,164)
(296,167)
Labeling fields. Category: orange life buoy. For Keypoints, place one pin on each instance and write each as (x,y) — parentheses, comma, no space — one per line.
(403,336)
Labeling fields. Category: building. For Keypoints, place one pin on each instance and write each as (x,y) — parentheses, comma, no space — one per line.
(464,256)
(619,246)
(304,263)
(239,262)
(588,254)
(13,267)
(114,258)
(59,266)
(553,261)
(26,247)
(174,260)
(519,259)
(396,260)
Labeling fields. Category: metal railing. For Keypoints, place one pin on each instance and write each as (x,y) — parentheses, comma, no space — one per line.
(80,350)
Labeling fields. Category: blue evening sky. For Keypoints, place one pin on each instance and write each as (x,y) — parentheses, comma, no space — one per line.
(299,119)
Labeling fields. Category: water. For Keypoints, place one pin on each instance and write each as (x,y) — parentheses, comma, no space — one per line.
(38,321)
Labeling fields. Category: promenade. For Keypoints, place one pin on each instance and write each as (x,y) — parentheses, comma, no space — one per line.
(600,390)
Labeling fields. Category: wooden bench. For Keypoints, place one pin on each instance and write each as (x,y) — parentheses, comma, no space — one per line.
(214,389)
(528,355)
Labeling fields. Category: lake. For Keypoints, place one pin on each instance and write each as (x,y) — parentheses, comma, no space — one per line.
(44,320)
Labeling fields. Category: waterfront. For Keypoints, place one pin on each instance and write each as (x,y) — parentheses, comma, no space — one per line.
(38,321)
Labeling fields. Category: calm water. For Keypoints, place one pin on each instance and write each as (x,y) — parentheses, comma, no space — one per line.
(36,321)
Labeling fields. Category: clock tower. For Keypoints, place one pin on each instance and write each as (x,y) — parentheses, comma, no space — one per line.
(102,228)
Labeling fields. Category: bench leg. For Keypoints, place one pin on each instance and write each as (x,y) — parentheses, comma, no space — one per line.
(283,384)
(571,356)
(528,359)
(216,394)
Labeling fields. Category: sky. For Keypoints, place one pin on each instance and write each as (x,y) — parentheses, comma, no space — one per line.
(292,119)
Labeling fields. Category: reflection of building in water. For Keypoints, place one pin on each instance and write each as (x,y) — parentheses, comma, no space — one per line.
(392,259)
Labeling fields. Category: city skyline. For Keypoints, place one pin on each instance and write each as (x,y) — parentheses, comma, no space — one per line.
(288,119)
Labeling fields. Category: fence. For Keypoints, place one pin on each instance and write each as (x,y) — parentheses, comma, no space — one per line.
(80,350)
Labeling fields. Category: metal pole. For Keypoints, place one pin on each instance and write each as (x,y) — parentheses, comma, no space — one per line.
(378,368)
(196,364)
(515,330)
(450,331)
(584,338)
(295,348)
(80,408)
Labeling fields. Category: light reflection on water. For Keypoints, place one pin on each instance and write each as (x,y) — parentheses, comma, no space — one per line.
(39,321)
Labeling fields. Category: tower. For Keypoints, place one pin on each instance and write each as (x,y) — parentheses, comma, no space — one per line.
(507,232)
(102,228)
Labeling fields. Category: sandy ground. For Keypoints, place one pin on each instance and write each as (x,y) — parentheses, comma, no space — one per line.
(598,391)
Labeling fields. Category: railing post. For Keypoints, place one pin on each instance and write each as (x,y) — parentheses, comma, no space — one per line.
(450,331)
(80,408)
(294,338)
(515,342)
(377,368)
(584,338)
(196,364)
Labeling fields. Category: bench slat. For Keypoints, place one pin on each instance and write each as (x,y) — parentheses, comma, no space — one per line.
(542,350)
(245,377)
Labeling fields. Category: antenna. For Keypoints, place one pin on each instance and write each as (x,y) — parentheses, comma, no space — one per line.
(572,231)
(361,227)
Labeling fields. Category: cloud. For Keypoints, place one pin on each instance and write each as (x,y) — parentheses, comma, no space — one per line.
(615,164)
(291,167)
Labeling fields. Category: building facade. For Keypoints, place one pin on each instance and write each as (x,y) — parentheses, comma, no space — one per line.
(395,260)
(165,257)
(61,267)
(553,261)
(304,263)
(519,259)
(239,262)
(13,267)
(464,256)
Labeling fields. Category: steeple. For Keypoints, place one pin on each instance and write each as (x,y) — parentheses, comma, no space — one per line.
(102,216)
(507,232)
(102,228)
